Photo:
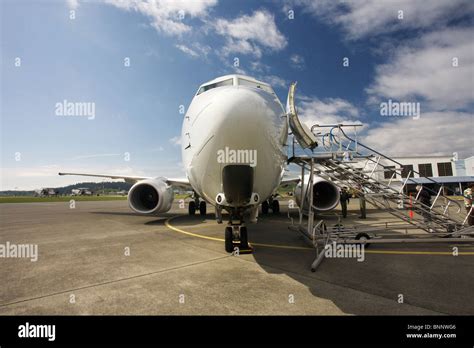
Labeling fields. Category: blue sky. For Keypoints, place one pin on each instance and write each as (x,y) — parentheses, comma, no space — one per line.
(137,107)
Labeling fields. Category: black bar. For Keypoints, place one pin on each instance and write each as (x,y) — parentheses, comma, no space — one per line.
(135,330)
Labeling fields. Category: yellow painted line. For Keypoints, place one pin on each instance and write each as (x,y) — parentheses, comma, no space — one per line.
(281,246)
(388,252)
(167,224)
(398,252)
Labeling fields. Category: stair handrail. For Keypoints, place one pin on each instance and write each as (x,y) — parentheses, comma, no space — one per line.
(401,165)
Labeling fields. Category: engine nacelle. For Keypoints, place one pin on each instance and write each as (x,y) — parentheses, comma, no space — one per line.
(151,196)
(325,194)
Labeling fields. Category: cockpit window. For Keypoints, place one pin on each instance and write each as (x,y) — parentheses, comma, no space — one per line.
(245,82)
(205,88)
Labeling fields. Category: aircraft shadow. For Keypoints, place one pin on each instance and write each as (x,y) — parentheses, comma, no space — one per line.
(364,288)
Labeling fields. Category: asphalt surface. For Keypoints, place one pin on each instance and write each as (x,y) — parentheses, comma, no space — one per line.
(100,258)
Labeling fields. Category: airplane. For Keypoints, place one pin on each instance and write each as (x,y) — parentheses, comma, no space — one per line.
(81,191)
(46,192)
(234,150)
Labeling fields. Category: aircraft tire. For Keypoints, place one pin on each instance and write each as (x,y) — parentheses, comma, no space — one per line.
(202,208)
(363,236)
(265,208)
(229,246)
(192,208)
(275,207)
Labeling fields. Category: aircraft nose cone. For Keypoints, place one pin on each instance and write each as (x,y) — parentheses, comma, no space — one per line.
(236,133)
(244,110)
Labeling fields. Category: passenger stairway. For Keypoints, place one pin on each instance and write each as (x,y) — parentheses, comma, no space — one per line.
(347,162)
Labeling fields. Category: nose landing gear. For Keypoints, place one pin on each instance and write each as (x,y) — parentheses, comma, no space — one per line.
(236,239)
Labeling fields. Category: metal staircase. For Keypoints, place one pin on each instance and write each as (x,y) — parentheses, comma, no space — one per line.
(337,157)
(346,162)
(341,162)
(433,218)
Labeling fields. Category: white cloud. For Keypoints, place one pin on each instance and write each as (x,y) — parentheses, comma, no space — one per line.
(251,34)
(187,50)
(246,35)
(176,140)
(275,81)
(241,47)
(328,111)
(167,15)
(360,18)
(434,133)
(297,61)
(228,68)
(312,111)
(424,69)
(73,4)
(258,66)
(240,71)
(197,50)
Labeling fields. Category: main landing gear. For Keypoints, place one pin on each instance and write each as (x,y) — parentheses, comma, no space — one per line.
(272,204)
(197,204)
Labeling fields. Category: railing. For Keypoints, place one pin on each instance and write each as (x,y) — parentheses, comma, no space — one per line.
(397,171)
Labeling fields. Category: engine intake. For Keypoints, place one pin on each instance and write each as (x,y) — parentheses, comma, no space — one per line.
(150,196)
(325,194)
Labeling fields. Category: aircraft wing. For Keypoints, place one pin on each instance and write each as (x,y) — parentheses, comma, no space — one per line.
(127,178)
(286,180)
(183,183)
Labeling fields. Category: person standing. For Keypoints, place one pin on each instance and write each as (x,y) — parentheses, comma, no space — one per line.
(344,200)
(468,203)
(424,198)
(362,206)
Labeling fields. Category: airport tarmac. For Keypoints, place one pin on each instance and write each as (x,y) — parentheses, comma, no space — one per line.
(101,258)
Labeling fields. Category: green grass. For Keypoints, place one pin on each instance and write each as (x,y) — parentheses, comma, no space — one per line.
(30,199)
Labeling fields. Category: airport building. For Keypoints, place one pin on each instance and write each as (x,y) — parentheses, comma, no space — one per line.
(449,171)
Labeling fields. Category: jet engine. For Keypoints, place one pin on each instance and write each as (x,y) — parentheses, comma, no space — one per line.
(151,196)
(325,194)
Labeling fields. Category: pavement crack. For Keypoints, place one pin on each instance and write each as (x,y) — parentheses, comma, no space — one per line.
(114,281)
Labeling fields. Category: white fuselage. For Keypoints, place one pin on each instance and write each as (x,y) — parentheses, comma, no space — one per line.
(232,118)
